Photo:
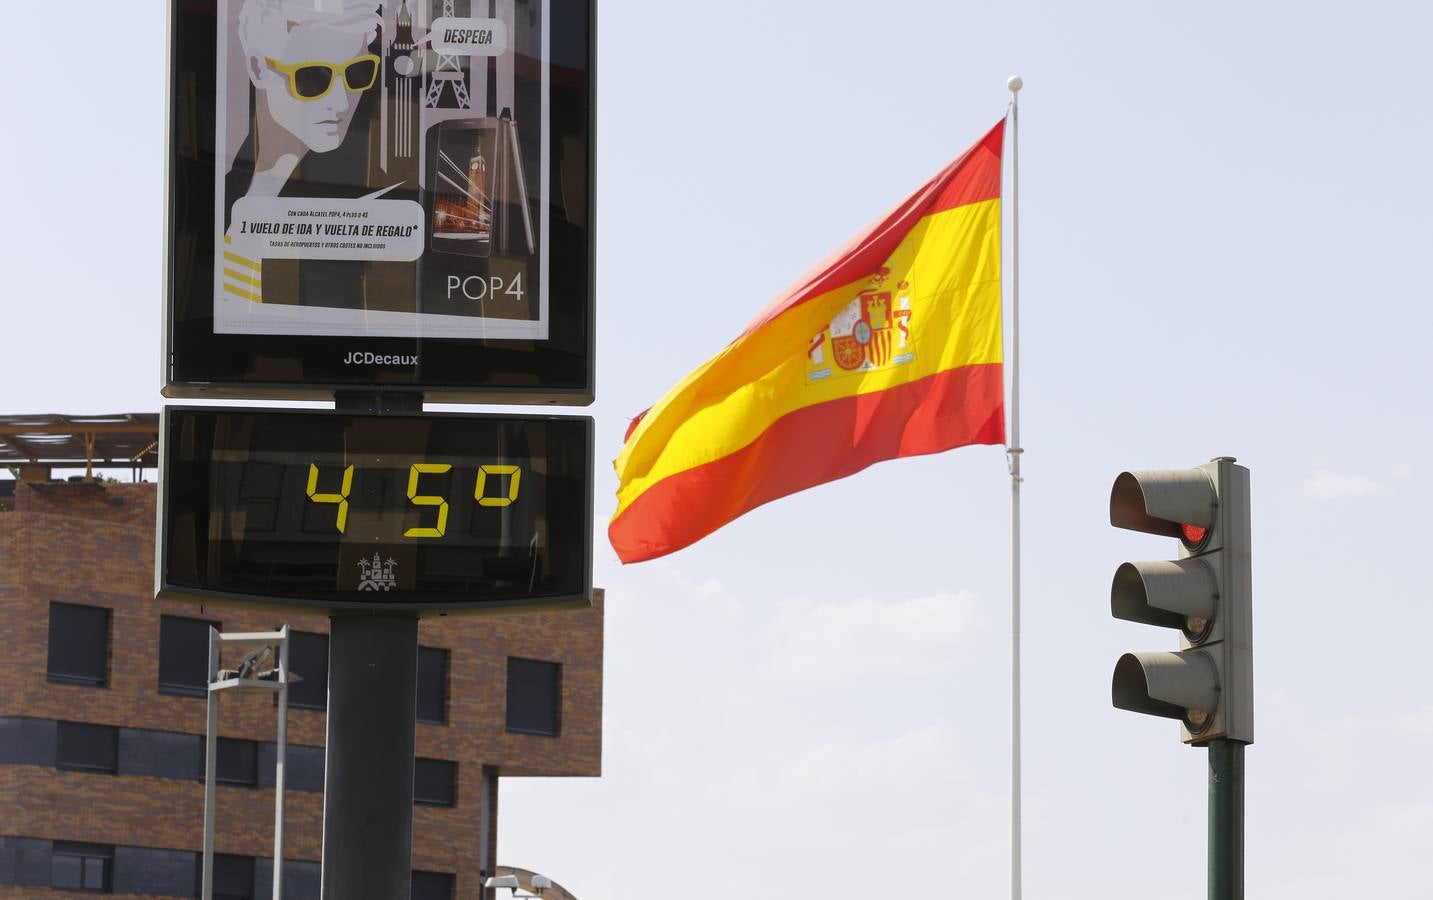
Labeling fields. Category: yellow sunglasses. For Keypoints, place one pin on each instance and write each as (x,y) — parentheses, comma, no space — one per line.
(313,80)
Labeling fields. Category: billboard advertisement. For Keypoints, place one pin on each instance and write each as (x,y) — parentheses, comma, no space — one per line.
(388,181)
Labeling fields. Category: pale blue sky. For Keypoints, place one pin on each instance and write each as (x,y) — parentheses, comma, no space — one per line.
(1226,213)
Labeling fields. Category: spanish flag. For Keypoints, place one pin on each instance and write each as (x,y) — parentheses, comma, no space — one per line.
(890,348)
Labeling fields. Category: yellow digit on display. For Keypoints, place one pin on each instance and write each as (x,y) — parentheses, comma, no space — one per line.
(341,498)
(417,499)
(513,485)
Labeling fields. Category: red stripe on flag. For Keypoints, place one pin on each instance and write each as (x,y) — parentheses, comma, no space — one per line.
(811,446)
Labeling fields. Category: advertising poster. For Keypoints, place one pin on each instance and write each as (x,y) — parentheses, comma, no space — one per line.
(382,168)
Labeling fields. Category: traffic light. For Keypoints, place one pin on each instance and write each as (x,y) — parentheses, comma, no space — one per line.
(1205,594)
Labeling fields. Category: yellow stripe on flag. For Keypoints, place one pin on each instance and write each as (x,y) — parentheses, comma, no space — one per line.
(954,320)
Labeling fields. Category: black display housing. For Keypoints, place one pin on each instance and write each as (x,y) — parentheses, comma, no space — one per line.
(199,362)
(433,513)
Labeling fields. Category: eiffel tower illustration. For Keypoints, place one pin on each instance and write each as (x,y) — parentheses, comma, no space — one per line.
(447,72)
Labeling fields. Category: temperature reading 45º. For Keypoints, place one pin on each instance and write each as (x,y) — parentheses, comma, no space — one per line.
(496,485)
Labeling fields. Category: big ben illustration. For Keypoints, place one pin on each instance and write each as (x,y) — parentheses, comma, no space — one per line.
(404,77)
(394,153)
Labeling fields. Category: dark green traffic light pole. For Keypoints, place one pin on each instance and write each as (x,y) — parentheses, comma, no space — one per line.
(1226,820)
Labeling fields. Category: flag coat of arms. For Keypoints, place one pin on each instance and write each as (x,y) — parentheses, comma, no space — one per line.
(891,347)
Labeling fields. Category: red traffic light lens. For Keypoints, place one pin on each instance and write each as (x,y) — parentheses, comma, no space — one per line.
(1193,535)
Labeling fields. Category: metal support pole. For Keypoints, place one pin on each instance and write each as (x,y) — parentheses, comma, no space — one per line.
(1015,451)
(280,767)
(211,756)
(250,681)
(487,830)
(368,774)
(1226,820)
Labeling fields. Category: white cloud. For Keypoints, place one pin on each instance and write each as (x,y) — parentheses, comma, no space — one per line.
(1418,723)
(733,735)
(1380,852)
(709,592)
(1400,471)
(917,760)
(1326,484)
(813,639)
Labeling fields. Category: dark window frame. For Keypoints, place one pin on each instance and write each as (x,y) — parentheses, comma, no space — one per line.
(428,883)
(108,642)
(446,668)
(522,728)
(66,736)
(103,853)
(433,766)
(176,688)
(228,748)
(310,680)
(234,864)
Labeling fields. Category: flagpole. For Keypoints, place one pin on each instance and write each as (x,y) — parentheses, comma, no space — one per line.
(1015,83)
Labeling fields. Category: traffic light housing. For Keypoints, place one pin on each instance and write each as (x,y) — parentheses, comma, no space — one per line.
(1205,594)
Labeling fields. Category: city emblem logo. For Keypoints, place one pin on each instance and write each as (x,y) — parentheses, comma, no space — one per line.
(871,332)
(377,575)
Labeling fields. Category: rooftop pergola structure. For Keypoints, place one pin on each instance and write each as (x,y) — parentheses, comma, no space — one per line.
(37,443)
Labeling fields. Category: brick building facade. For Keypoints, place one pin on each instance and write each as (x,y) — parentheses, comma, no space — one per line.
(101,724)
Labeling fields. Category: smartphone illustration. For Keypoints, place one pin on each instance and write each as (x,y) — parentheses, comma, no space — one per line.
(461,181)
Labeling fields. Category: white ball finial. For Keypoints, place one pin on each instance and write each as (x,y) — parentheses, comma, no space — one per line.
(1015,83)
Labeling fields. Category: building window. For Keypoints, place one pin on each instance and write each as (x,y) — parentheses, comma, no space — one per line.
(86,748)
(434,781)
(184,655)
(79,644)
(302,878)
(432,685)
(432,886)
(84,867)
(534,696)
(160,754)
(303,767)
(308,657)
(233,876)
(237,762)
